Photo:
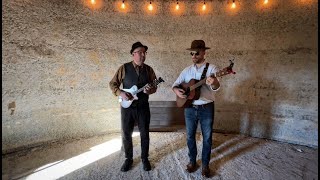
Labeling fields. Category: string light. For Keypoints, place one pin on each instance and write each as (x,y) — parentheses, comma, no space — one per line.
(93,4)
(123,6)
(204,7)
(150,7)
(177,6)
(233,5)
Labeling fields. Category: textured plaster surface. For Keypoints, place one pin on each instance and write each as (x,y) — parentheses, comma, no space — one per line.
(59,56)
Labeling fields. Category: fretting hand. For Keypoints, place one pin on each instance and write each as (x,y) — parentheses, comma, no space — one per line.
(211,80)
(149,89)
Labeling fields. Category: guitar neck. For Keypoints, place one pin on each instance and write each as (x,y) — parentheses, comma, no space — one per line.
(218,74)
(198,84)
(141,89)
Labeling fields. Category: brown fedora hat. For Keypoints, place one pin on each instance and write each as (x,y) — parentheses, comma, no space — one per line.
(197,45)
(136,45)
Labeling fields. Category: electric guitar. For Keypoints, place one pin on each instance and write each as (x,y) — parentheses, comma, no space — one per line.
(192,88)
(134,91)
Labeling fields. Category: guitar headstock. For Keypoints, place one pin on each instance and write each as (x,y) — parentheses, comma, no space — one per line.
(229,68)
(157,81)
(226,70)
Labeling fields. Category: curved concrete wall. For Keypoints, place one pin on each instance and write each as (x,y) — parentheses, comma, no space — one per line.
(59,56)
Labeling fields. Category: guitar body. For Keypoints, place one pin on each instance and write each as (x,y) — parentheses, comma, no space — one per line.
(132,90)
(191,94)
(192,88)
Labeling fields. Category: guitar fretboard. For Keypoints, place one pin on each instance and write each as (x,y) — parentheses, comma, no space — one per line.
(141,89)
(218,74)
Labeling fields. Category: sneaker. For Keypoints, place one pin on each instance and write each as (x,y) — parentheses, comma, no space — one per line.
(126,165)
(205,171)
(146,165)
(191,167)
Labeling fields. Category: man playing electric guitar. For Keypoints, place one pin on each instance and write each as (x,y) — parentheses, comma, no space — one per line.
(133,91)
(140,74)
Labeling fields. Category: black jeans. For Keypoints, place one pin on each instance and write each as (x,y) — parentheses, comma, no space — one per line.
(139,113)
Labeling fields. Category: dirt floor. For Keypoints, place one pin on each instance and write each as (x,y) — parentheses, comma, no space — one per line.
(233,157)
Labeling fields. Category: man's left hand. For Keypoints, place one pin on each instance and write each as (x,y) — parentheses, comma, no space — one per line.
(210,80)
(149,89)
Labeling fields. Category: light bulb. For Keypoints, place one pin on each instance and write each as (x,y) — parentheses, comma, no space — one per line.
(150,7)
(204,7)
(265,2)
(233,5)
(177,6)
(123,5)
(93,1)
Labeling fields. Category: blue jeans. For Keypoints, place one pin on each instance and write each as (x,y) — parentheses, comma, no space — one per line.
(204,114)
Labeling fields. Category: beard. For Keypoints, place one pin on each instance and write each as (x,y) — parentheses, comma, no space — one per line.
(197,60)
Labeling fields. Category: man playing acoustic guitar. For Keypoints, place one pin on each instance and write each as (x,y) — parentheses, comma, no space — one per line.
(135,73)
(198,103)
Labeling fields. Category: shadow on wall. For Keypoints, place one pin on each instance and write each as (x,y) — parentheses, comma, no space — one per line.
(252,114)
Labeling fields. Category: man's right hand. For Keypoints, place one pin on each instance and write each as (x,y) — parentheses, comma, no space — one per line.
(126,96)
(179,92)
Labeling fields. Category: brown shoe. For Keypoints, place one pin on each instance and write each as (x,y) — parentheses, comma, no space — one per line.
(205,171)
(191,167)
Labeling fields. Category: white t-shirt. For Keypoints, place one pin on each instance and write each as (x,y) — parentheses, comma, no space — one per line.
(193,72)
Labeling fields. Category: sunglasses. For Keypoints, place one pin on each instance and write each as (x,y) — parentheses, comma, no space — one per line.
(194,53)
(140,52)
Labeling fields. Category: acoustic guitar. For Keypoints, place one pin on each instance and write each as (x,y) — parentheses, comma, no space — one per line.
(134,91)
(192,88)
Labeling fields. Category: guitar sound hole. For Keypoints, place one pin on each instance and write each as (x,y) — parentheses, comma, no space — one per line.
(187,92)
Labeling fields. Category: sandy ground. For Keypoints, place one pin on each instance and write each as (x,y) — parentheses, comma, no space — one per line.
(233,157)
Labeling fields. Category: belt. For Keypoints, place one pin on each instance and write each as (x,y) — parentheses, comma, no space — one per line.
(202,105)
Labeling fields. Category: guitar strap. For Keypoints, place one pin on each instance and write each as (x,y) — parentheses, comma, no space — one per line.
(204,74)
(204,71)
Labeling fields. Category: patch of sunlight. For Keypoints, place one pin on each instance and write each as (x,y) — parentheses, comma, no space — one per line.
(58,170)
